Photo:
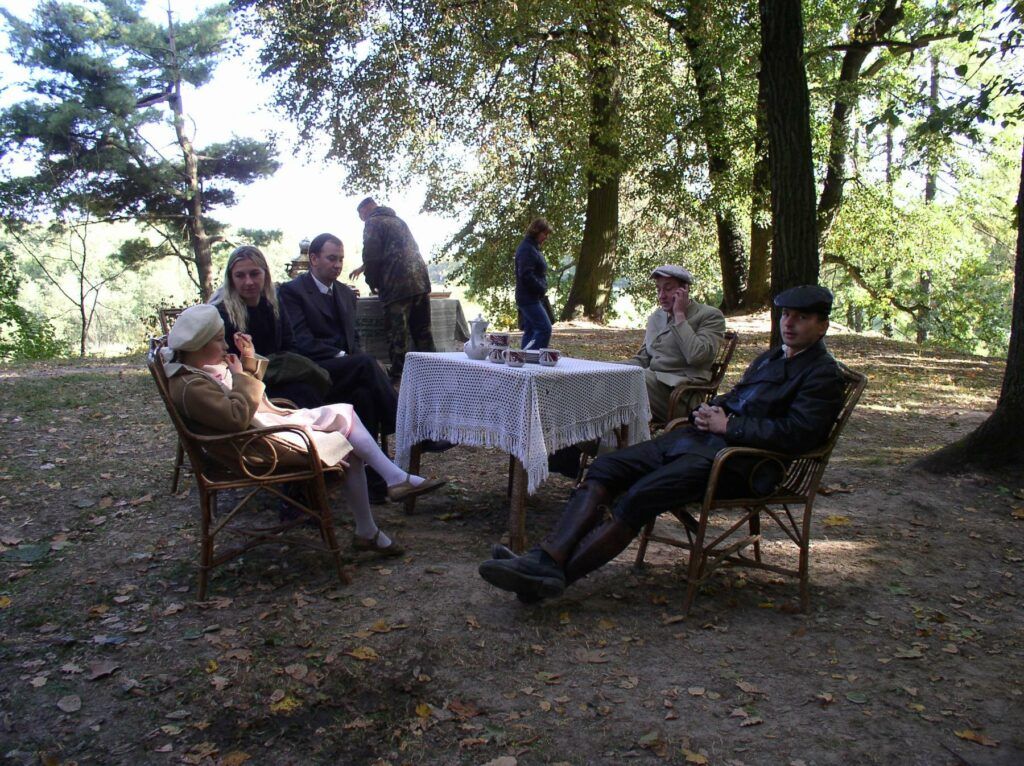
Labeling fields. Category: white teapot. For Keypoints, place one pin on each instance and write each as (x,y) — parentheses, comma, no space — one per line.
(476,347)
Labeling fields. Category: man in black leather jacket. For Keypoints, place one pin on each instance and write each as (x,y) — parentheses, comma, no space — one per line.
(786,401)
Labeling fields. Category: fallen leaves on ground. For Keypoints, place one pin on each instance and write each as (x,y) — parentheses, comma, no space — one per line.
(70,704)
(974,736)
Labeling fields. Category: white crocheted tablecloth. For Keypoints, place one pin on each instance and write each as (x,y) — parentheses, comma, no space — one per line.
(528,411)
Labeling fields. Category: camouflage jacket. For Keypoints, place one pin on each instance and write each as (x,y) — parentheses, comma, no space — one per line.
(394,268)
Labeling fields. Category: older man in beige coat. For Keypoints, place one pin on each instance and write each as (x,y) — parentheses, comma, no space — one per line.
(681,341)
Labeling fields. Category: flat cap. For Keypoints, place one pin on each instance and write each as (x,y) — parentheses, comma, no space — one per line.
(671,270)
(806,298)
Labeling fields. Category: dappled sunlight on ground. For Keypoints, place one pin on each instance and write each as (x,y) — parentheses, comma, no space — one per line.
(912,637)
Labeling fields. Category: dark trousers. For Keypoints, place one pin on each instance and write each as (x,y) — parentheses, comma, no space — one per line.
(359,380)
(655,476)
(536,325)
(302,394)
(404,321)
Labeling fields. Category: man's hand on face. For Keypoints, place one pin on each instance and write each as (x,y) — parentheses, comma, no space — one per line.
(681,303)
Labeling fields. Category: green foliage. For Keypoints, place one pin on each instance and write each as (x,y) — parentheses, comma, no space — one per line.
(490,105)
(23,335)
(891,246)
(99,80)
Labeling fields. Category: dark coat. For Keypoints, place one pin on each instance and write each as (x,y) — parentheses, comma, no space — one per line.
(783,405)
(394,268)
(531,273)
(316,332)
(270,334)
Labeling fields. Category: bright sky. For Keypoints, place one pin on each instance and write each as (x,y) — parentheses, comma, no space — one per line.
(302,199)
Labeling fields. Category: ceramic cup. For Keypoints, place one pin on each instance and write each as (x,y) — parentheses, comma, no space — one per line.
(496,354)
(549,357)
(499,339)
(515,357)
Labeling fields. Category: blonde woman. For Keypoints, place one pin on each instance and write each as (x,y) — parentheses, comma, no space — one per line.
(247,302)
(218,391)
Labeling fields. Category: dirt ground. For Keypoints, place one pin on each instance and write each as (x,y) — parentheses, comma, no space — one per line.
(911,652)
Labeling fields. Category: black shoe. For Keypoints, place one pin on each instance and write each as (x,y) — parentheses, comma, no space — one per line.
(499,551)
(533,575)
(439,445)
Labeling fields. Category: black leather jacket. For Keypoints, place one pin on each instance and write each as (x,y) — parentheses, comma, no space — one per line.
(786,405)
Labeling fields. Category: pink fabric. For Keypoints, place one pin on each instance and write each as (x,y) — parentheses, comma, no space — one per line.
(334,419)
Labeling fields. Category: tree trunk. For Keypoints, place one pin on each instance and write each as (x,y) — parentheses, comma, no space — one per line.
(732,255)
(787,111)
(869,28)
(890,178)
(997,443)
(924,279)
(591,291)
(758,295)
(202,245)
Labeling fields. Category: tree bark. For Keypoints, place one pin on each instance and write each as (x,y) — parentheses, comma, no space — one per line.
(732,254)
(591,291)
(202,244)
(924,278)
(997,444)
(787,111)
(758,292)
(869,29)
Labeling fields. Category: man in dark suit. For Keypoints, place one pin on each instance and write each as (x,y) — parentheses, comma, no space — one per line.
(787,401)
(322,312)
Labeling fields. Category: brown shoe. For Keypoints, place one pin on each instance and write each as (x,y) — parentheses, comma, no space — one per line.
(360,544)
(406,489)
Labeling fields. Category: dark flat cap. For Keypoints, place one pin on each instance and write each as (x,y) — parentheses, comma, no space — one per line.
(806,298)
(671,270)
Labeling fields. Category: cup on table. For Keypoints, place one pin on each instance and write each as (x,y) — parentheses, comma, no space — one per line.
(499,339)
(515,357)
(549,357)
(496,354)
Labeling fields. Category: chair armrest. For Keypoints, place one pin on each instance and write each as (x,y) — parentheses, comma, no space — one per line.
(244,441)
(686,389)
(677,423)
(782,458)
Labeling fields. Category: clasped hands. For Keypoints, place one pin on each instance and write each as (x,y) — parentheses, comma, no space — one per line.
(712,419)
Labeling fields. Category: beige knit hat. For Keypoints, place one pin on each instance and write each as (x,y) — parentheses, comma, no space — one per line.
(194,328)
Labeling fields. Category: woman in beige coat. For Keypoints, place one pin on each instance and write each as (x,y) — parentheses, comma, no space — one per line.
(220,392)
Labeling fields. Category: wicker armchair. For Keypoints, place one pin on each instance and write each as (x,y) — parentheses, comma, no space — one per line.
(249,461)
(681,394)
(710,548)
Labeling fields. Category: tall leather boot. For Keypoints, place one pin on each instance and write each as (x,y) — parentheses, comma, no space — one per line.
(538,573)
(598,548)
(584,511)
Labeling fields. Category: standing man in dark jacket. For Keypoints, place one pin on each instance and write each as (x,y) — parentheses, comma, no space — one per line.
(532,285)
(786,401)
(395,271)
(322,312)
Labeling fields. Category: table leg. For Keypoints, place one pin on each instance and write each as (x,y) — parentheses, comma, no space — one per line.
(622,436)
(414,467)
(517,508)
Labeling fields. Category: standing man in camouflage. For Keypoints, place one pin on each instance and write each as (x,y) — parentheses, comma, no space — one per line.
(395,271)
